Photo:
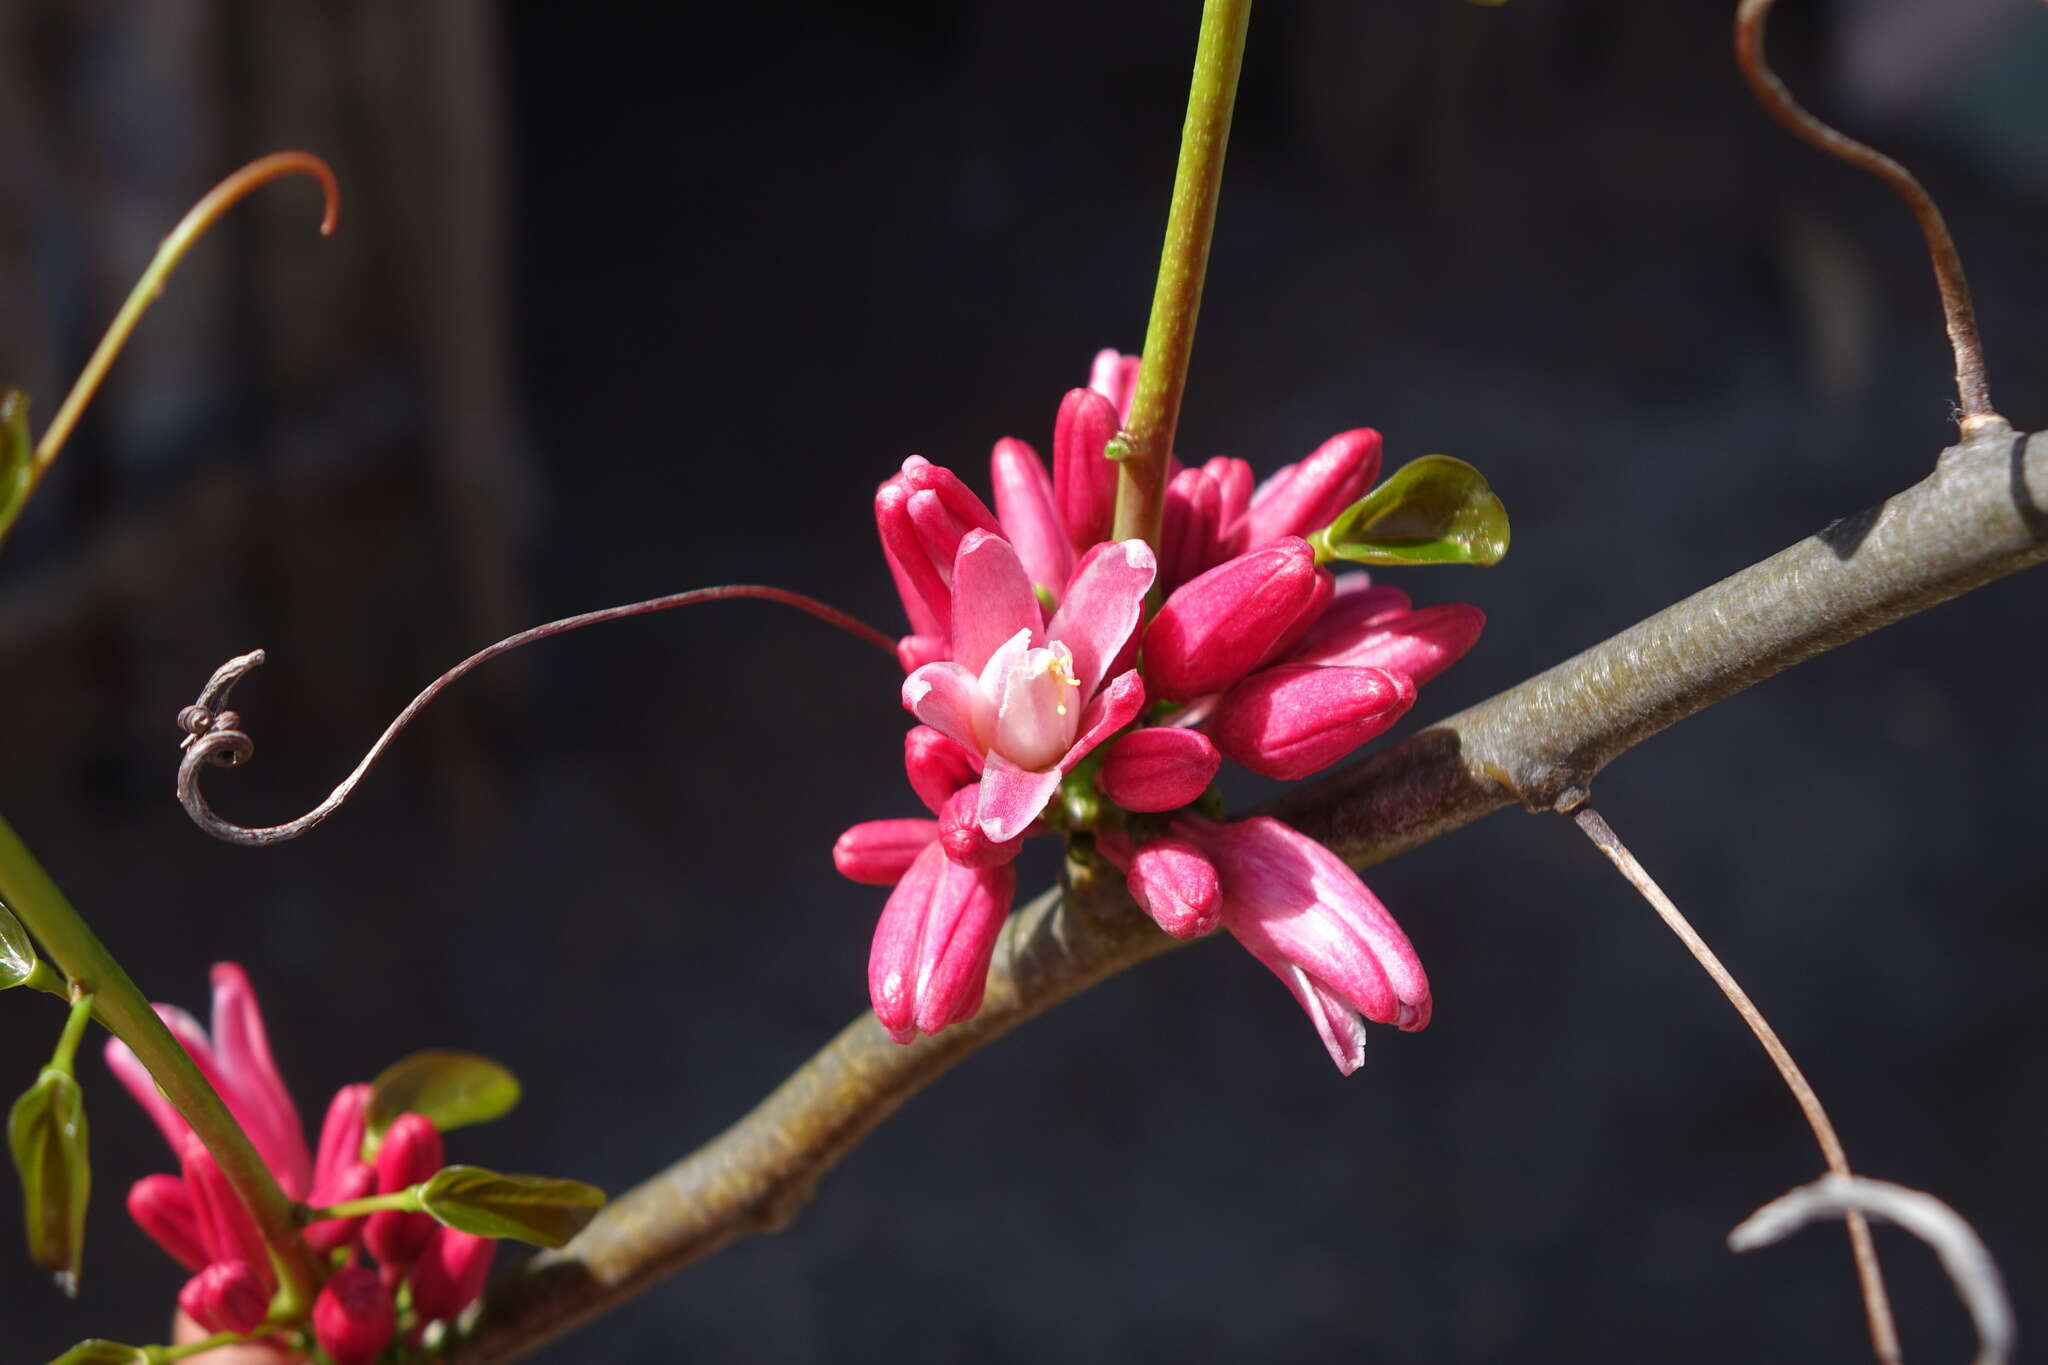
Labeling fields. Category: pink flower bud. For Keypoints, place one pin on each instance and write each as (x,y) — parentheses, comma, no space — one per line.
(348,1183)
(341,1135)
(1030,518)
(410,1153)
(1083,479)
(1115,376)
(225,1226)
(922,513)
(1299,910)
(1158,768)
(1305,620)
(353,1319)
(1357,605)
(961,835)
(162,1207)
(1192,529)
(1292,721)
(1216,627)
(227,1296)
(932,947)
(1420,644)
(879,852)
(915,651)
(937,765)
(1234,481)
(1175,883)
(1306,497)
(450,1274)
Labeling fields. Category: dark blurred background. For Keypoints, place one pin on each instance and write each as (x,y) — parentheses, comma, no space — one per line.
(623,303)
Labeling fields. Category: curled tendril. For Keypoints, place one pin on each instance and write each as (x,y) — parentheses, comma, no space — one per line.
(1973,388)
(214,737)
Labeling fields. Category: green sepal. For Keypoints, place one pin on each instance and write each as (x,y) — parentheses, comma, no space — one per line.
(17,456)
(454,1089)
(100,1351)
(1435,510)
(540,1209)
(46,1131)
(17,953)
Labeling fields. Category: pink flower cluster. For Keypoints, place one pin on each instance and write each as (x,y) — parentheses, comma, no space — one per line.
(197,1217)
(1031,664)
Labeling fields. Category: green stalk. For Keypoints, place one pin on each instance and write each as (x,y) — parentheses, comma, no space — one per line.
(1177,298)
(66,1055)
(125,1011)
(406,1200)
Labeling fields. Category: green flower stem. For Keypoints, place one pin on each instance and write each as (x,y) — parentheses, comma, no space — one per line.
(43,978)
(126,1013)
(156,1354)
(1190,220)
(74,1030)
(406,1200)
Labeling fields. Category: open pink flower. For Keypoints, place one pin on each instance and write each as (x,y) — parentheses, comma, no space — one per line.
(1300,910)
(1028,697)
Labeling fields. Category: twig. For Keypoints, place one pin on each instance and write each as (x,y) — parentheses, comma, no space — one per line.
(1979,516)
(1973,388)
(1877,1308)
(1963,1254)
(213,736)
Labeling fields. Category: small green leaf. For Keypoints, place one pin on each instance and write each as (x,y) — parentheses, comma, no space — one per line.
(100,1351)
(453,1089)
(17,954)
(46,1131)
(527,1208)
(17,455)
(1435,510)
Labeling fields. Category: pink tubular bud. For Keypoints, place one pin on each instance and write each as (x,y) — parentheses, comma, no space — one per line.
(932,947)
(225,1225)
(1175,883)
(927,601)
(879,852)
(1234,481)
(349,1183)
(341,1134)
(1304,621)
(1083,478)
(1306,497)
(1030,518)
(1158,768)
(162,1207)
(1357,605)
(1192,529)
(1115,376)
(1217,626)
(937,766)
(353,1319)
(915,651)
(450,1274)
(961,835)
(1289,722)
(1420,644)
(227,1296)
(410,1153)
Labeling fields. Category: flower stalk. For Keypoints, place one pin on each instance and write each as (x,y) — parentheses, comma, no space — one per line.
(1147,438)
(126,1012)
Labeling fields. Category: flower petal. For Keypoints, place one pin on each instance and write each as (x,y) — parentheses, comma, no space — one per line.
(1030,518)
(1102,607)
(258,1096)
(1012,797)
(992,599)
(943,696)
(1114,707)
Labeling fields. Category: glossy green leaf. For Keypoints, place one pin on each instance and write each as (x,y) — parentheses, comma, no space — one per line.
(17,455)
(17,953)
(453,1089)
(527,1208)
(1435,510)
(46,1131)
(100,1351)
